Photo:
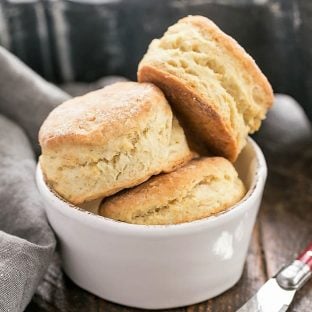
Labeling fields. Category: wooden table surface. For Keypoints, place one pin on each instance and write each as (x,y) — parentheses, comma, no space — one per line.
(284,226)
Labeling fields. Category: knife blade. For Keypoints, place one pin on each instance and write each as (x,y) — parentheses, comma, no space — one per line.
(278,292)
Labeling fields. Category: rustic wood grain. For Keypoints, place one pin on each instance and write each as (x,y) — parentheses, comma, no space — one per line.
(286,212)
(286,216)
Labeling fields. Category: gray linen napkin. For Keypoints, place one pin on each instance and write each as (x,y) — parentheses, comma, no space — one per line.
(25,97)
(26,240)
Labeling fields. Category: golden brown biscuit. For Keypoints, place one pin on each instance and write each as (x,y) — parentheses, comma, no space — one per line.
(216,88)
(110,139)
(201,188)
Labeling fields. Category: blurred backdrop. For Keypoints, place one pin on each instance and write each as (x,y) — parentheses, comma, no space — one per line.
(83,40)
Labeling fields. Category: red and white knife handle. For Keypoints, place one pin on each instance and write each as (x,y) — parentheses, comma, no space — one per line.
(296,274)
(306,256)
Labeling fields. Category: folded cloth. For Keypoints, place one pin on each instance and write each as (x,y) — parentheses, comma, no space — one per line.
(26,240)
(25,97)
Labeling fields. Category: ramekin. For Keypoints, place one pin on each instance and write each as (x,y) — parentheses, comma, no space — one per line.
(163,266)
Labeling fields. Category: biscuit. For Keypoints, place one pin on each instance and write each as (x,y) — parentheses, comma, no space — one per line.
(217,90)
(201,188)
(110,139)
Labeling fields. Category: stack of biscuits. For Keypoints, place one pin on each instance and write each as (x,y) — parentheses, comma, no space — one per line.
(160,150)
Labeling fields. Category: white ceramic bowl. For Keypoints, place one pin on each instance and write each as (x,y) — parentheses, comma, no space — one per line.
(155,267)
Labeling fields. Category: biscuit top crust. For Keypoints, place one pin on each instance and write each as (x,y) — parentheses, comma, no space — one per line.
(205,25)
(101,115)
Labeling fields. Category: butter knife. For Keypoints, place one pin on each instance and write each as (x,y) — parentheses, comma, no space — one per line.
(278,292)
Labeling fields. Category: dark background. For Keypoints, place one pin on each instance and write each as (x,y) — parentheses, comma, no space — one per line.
(70,40)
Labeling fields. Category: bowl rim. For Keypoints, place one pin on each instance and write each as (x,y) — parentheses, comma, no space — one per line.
(100,222)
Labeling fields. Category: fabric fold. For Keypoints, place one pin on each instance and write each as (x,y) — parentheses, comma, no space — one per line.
(25,97)
(26,239)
